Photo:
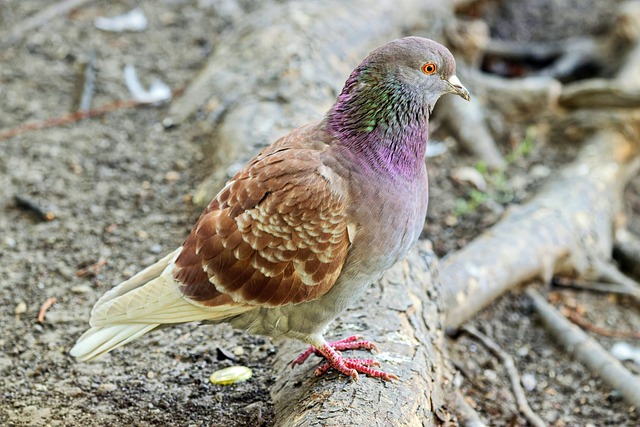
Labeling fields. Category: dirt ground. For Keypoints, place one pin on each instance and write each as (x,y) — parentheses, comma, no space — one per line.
(119,187)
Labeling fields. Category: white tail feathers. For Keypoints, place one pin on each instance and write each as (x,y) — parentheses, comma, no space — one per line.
(140,304)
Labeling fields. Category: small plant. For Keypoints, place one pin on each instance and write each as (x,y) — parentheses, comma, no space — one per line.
(525,147)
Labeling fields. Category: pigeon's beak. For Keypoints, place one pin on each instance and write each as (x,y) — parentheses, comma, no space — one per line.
(457,88)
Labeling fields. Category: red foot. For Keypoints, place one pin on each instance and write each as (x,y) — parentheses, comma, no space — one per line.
(348,366)
(354,342)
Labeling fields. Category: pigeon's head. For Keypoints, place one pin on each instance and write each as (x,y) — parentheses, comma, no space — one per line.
(415,65)
(388,98)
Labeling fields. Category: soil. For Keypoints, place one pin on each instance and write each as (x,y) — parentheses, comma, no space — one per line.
(119,187)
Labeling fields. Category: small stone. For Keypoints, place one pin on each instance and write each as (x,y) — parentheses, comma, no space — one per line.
(10,242)
(142,235)
(172,176)
(151,375)
(156,249)
(224,354)
(40,387)
(107,387)
(523,351)
(540,171)
(80,289)
(451,220)
(238,351)
(76,168)
(491,375)
(469,175)
(21,308)
(528,382)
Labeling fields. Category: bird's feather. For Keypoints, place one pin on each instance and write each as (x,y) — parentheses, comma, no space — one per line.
(275,235)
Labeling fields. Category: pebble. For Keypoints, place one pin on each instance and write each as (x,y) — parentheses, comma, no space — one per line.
(40,387)
(107,387)
(625,351)
(151,375)
(156,249)
(224,354)
(469,175)
(491,375)
(80,289)
(172,176)
(238,351)
(540,171)
(528,382)
(21,307)
(10,242)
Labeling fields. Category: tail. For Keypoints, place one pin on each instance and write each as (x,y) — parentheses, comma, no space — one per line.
(138,305)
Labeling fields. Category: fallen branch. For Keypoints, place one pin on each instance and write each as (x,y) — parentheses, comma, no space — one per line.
(586,350)
(512,371)
(586,285)
(93,269)
(608,272)
(576,318)
(74,117)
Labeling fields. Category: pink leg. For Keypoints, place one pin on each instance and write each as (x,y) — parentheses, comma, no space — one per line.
(348,366)
(354,342)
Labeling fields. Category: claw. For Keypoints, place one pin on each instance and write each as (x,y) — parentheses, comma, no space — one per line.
(348,366)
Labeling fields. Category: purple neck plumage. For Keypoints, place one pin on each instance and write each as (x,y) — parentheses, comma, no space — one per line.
(383,123)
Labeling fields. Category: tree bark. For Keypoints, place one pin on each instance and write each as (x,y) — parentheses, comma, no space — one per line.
(402,314)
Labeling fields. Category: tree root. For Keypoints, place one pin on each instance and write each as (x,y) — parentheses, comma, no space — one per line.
(564,230)
(587,350)
(506,359)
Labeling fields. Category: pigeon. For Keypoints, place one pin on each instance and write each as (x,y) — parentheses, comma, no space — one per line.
(307,225)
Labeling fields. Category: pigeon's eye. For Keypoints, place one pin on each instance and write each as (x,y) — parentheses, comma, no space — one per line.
(429,68)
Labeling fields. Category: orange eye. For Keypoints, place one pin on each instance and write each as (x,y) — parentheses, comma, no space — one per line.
(429,68)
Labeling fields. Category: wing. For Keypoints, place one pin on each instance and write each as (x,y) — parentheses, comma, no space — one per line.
(275,235)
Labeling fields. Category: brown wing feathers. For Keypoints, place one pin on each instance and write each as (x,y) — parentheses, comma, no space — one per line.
(275,235)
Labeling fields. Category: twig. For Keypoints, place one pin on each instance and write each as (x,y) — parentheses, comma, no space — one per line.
(74,117)
(585,285)
(521,400)
(581,321)
(89,79)
(44,307)
(40,18)
(610,273)
(93,269)
(586,350)
(31,206)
